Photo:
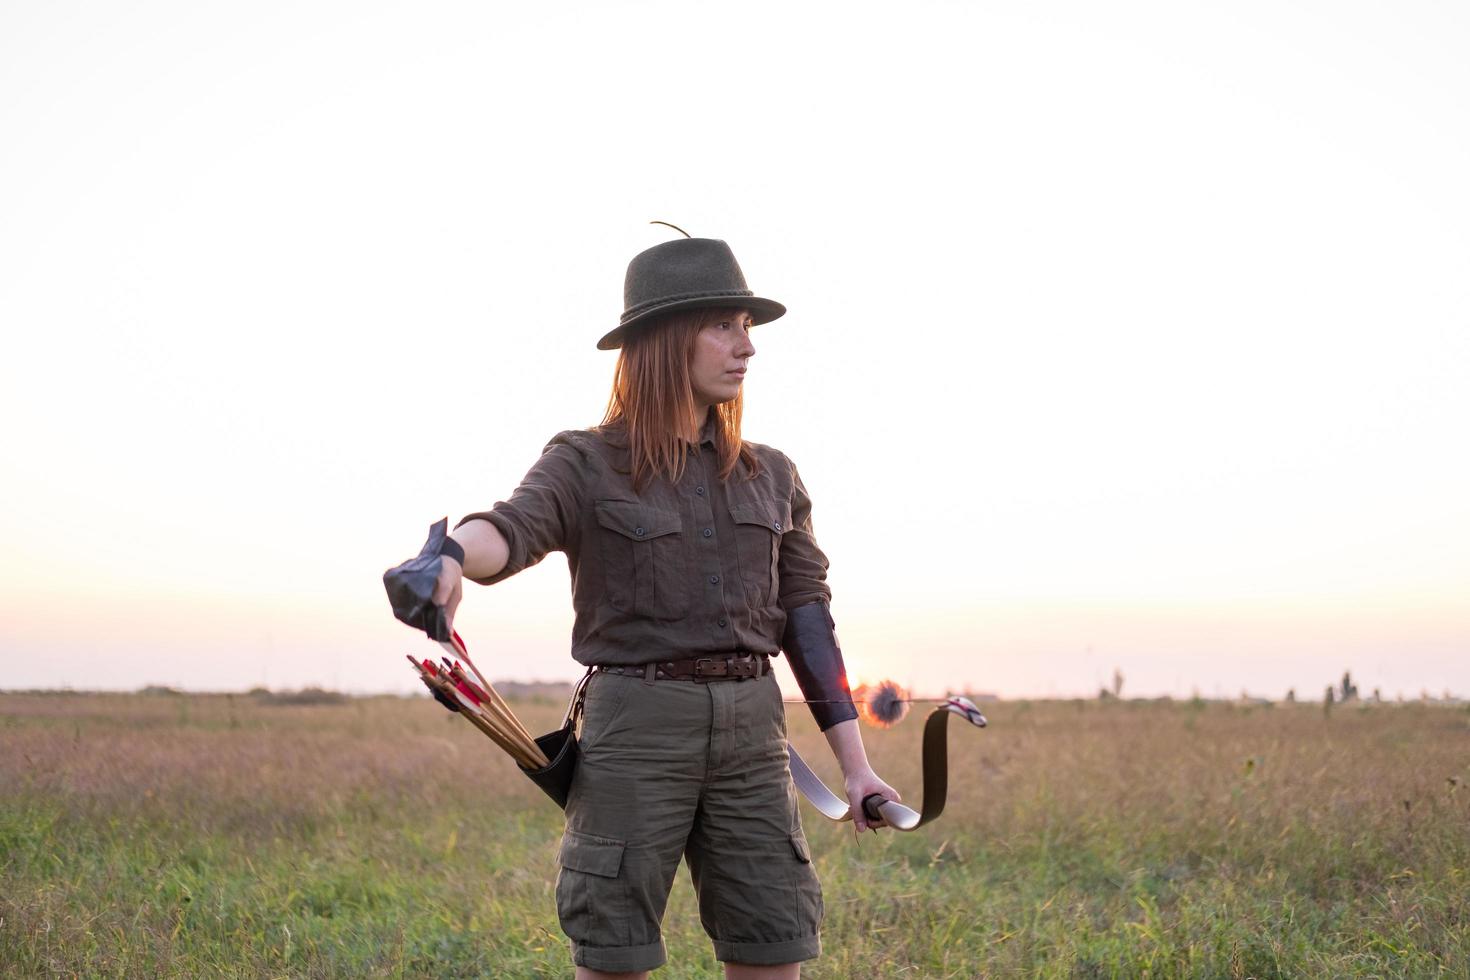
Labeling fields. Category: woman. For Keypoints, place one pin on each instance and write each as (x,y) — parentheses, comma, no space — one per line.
(693,562)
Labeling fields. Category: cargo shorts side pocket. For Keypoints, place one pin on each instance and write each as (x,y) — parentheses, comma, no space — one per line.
(591,893)
(807,889)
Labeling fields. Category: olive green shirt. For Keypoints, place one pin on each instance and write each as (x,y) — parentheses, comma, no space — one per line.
(692,568)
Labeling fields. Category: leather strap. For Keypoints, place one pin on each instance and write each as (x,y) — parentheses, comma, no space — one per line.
(579,698)
(733,667)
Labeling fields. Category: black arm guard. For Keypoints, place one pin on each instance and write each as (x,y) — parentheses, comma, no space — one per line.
(810,641)
(411,585)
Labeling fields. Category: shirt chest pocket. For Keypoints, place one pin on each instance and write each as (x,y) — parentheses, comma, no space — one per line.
(758,529)
(643,558)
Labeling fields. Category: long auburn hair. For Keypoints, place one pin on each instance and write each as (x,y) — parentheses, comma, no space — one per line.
(653,397)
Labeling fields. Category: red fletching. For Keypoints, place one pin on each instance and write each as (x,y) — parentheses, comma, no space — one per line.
(465,683)
(432,678)
(468,692)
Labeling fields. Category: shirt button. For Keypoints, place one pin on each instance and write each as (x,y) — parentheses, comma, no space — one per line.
(714,580)
(699,490)
(722,622)
(638,531)
(778,525)
(708,532)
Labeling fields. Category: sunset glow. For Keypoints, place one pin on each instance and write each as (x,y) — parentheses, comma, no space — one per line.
(1138,345)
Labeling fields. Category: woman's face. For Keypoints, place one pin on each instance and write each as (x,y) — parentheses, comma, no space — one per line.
(721,349)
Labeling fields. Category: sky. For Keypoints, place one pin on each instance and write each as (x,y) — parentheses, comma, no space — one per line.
(1120,336)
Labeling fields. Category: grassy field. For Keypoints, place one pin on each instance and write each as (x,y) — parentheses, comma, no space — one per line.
(192,836)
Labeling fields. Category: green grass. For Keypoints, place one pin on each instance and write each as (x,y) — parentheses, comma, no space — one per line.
(228,836)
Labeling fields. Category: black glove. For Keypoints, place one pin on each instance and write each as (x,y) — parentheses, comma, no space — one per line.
(810,641)
(411,585)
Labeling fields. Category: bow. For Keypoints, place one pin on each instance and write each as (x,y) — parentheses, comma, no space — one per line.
(883,706)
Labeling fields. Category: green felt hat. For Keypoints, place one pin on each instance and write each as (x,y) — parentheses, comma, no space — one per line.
(684,274)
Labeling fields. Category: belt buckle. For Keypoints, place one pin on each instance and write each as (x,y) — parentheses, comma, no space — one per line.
(709,667)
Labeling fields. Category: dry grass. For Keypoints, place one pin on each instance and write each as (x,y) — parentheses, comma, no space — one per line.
(191,835)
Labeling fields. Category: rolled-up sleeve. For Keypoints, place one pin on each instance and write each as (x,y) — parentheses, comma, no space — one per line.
(802,565)
(542,513)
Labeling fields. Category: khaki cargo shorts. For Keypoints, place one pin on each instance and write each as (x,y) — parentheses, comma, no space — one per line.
(677,769)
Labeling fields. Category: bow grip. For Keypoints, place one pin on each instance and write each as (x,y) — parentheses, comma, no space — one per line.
(891,812)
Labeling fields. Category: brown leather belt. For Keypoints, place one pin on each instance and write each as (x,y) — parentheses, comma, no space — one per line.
(731,667)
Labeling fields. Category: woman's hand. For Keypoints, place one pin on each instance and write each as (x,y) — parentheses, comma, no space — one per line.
(449,589)
(861,781)
(422,589)
(425,590)
(861,785)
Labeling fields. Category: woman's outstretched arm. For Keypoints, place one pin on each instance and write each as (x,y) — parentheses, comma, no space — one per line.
(485,548)
(541,516)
